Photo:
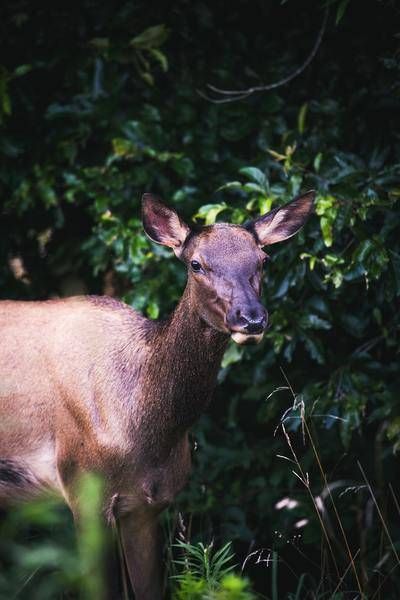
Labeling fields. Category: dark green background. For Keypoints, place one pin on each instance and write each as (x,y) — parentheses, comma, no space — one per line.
(97,108)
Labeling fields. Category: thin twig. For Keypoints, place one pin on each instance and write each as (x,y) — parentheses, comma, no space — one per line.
(236,95)
(298,404)
(305,428)
(384,580)
(352,561)
(345,573)
(395,498)
(379,513)
(222,100)
(27,580)
(305,481)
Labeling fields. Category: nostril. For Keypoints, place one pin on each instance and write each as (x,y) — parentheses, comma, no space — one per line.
(255,323)
(252,320)
(255,326)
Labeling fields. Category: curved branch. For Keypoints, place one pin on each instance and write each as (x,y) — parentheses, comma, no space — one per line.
(244,94)
(235,95)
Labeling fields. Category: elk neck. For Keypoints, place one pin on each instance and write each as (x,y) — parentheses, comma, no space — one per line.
(181,369)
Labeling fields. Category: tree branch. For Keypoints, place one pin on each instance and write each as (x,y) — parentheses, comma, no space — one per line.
(236,95)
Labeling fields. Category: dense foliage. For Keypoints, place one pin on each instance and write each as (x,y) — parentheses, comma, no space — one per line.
(100,103)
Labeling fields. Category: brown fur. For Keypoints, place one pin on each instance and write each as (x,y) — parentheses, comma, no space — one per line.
(89,385)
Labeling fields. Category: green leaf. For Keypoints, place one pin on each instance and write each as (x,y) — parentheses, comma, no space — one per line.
(232,355)
(301,119)
(123,147)
(153,310)
(160,58)
(100,43)
(230,185)
(341,10)
(152,37)
(364,250)
(147,77)
(253,187)
(209,212)
(314,347)
(22,70)
(317,161)
(311,321)
(327,231)
(255,175)
(5,101)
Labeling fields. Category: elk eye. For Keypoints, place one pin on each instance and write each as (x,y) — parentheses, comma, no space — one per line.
(196,266)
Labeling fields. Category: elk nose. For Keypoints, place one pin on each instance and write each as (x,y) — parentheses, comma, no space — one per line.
(257,326)
(253,321)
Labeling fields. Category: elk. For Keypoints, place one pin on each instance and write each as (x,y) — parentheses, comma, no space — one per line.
(89,385)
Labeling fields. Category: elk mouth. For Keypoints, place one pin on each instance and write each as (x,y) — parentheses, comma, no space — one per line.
(246,339)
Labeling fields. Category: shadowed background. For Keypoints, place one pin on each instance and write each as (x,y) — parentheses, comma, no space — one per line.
(98,104)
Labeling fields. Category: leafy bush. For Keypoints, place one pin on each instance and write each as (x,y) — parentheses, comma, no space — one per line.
(100,105)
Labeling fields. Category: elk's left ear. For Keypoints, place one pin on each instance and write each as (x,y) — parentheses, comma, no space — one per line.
(163,224)
(284,221)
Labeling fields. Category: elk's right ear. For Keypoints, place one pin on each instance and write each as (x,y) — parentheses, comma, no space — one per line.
(163,224)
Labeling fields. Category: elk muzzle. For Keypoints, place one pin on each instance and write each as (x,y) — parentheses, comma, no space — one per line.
(247,324)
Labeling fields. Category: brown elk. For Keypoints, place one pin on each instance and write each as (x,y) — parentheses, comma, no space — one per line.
(89,385)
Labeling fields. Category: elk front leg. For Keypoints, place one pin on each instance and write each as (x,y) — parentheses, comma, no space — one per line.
(141,542)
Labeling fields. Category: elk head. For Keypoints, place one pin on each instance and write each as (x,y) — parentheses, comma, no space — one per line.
(225,262)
